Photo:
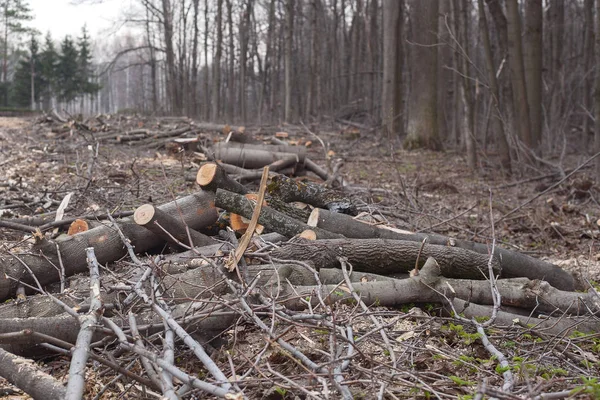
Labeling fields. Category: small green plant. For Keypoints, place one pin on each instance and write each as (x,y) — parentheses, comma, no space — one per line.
(280,391)
(589,386)
(500,369)
(461,382)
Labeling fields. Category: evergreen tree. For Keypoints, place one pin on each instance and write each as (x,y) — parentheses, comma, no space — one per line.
(85,71)
(12,14)
(47,71)
(68,71)
(27,78)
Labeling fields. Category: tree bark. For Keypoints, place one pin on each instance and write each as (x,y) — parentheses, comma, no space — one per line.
(289,42)
(170,55)
(588,55)
(597,89)
(384,256)
(271,219)
(517,73)
(198,212)
(422,129)
(497,125)
(393,65)
(532,60)
(513,264)
(216,89)
(461,14)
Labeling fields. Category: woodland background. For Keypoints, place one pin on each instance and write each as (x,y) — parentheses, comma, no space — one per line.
(516,79)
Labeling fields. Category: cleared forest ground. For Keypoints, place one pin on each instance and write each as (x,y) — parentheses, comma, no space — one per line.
(420,191)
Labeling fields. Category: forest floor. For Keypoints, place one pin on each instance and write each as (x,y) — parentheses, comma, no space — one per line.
(421,191)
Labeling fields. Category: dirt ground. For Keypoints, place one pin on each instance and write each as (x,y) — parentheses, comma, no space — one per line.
(421,190)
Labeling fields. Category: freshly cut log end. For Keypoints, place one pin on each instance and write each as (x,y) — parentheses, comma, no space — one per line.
(77,226)
(144,214)
(308,234)
(239,224)
(206,174)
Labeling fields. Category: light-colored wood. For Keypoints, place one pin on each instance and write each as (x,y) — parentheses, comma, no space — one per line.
(206,174)
(308,234)
(77,226)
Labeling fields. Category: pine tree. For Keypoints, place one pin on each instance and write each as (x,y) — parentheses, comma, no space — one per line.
(12,13)
(27,78)
(48,71)
(67,71)
(85,71)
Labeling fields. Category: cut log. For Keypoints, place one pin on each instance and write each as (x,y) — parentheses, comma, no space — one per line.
(252,158)
(513,264)
(197,209)
(81,225)
(383,256)
(151,217)
(316,169)
(271,219)
(242,137)
(299,150)
(290,190)
(211,176)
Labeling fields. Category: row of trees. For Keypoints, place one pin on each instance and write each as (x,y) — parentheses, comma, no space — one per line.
(47,77)
(41,78)
(514,76)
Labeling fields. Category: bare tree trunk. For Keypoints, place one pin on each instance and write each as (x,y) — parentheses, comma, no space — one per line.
(244,33)
(588,55)
(496,121)
(289,41)
(466,89)
(597,89)
(194,85)
(267,74)
(422,114)
(170,55)
(515,62)
(557,78)
(312,66)
(216,89)
(205,97)
(152,62)
(393,64)
(532,60)
(504,81)
(230,77)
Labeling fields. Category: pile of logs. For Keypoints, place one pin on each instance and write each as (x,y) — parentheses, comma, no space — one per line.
(287,247)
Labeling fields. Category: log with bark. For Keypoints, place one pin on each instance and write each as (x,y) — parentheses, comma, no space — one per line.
(290,190)
(253,156)
(270,218)
(513,264)
(197,209)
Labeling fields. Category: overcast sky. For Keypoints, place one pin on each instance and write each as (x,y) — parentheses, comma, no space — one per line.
(62,17)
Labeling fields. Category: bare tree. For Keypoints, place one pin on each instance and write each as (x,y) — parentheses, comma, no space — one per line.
(216,89)
(597,90)
(532,60)
(289,42)
(496,118)
(463,60)
(422,128)
(393,64)
(588,54)
(517,73)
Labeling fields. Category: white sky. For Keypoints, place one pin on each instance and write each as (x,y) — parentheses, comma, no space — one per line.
(62,17)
